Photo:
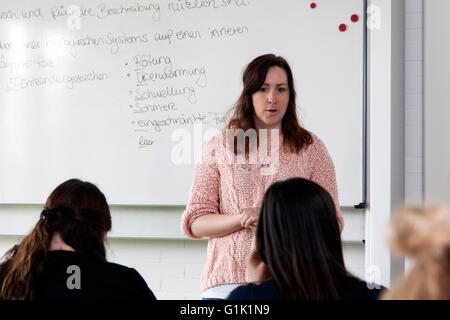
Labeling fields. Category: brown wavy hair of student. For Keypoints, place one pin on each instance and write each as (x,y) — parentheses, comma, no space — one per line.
(79,212)
(295,137)
(299,241)
(422,234)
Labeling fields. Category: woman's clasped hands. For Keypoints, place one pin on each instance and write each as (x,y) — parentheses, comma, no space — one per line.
(249,217)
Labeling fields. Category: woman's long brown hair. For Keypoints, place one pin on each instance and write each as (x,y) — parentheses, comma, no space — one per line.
(295,137)
(79,212)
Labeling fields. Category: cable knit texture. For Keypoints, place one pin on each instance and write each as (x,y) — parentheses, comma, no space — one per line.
(227,187)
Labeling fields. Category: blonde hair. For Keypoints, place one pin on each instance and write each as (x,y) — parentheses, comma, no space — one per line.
(422,234)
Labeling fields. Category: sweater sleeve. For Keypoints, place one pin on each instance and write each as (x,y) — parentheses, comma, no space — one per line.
(204,194)
(321,170)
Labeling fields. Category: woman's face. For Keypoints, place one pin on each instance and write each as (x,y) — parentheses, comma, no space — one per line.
(271,100)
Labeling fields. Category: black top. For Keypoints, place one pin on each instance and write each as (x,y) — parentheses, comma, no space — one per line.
(354,289)
(73,276)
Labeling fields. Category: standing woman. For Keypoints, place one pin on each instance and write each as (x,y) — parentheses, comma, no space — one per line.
(226,196)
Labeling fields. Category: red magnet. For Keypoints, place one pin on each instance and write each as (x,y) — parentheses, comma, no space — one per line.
(313,5)
(342,27)
(354,18)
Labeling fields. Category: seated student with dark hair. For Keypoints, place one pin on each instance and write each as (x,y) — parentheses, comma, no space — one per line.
(64,257)
(298,252)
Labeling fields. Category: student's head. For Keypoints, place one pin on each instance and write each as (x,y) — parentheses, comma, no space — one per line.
(422,234)
(298,239)
(268,84)
(79,213)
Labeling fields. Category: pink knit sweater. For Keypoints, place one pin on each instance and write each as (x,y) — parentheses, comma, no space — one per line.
(222,187)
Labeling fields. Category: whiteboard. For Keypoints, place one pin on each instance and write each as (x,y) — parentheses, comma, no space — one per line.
(101,91)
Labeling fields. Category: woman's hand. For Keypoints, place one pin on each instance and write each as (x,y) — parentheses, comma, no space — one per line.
(257,269)
(249,217)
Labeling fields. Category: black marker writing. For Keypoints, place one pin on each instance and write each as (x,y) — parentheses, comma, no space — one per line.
(145,142)
(68,79)
(8,14)
(143,108)
(200,73)
(171,121)
(227,31)
(145,94)
(33,13)
(147,60)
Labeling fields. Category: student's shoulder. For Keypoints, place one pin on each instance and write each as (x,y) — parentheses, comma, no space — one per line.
(129,279)
(117,268)
(357,289)
(264,291)
(243,292)
(95,267)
